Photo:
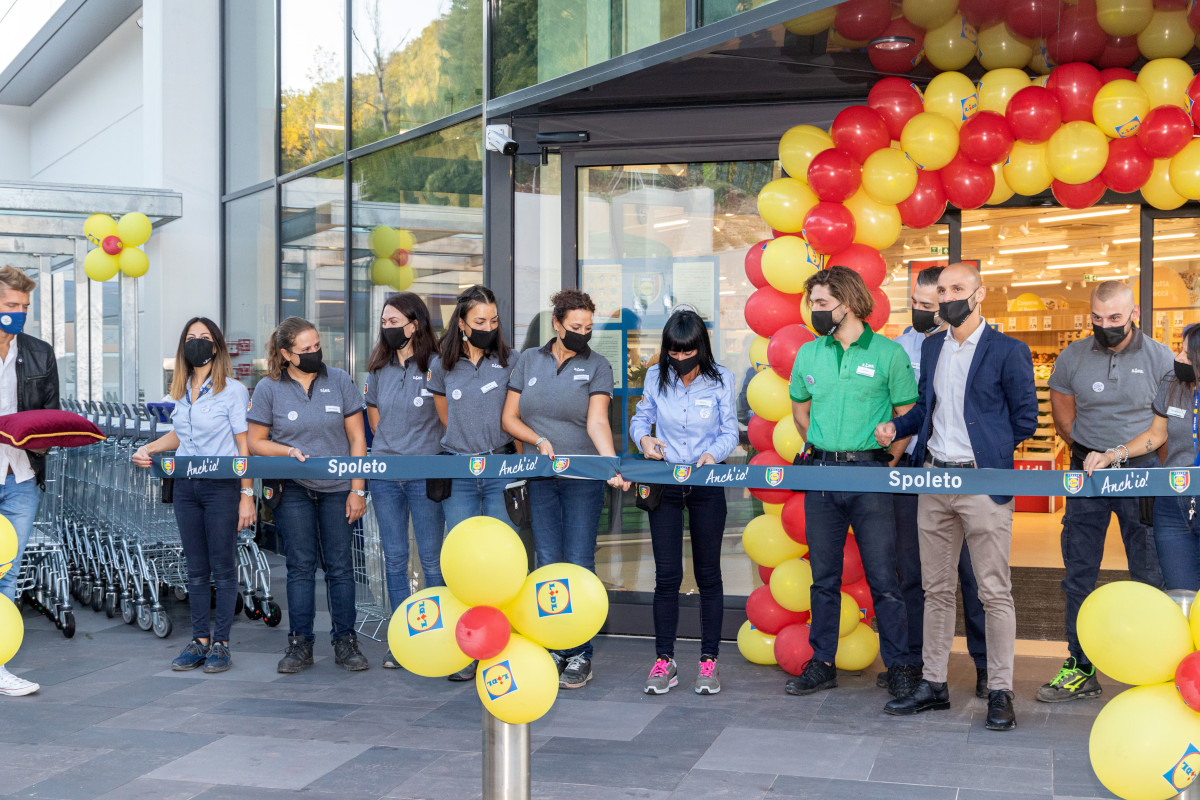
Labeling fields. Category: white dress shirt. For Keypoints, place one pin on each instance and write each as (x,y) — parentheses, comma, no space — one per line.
(949,440)
(11,457)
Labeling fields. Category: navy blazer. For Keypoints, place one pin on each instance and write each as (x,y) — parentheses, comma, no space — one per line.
(1000,407)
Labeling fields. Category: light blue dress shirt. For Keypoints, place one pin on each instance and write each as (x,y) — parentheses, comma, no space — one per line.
(911,341)
(207,427)
(692,420)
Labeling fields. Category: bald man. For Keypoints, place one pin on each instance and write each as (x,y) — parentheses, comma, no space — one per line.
(1100,396)
(977,403)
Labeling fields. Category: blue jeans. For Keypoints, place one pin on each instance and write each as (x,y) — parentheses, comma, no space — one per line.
(1085,526)
(207,513)
(315,533)
(475,497)
(395,502)
(565,515)
(1175,535)
(19,503)
(828,516)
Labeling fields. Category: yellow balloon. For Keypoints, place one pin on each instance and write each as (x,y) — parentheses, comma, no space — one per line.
(1124,17)
(1001,191)
(1026,171)
(875,224)
(1134,633)
(1040,61)
(755,646)
(1000,48)
(98,226)
(929,14)
(484,562)
(12,630)
(798,146)
(806,316)
(952,45)
(383,240)
(773,508)
(789,261)
(997,87)
(99,265)
(1119,108)
(383,271)
(786,439)
(758,353)
(406,240)
(930,140)
(768,396)
(889,176)
(1193,619)
(953,95)
(133,262)
(1184,170)
(1142,745)
(857,650)
(1167,35)
(421,633)
(560,606)
(1158,191)
(1165,81)
(134,229)
(519,685)
(402,278)
(8,545)
(791,584)
(766,543)
(837,40)
(1076,152)
(1040,80)
(784,203)
(850,617)
(812,24)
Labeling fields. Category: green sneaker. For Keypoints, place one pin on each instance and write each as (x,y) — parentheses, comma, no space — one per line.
(1071,683)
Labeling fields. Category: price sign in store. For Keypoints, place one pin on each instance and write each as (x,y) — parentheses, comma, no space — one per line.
(1178,318)
(1012,323)
(1079,322)
(1047,323)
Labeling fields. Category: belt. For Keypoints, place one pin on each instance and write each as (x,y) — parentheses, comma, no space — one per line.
(852,456)
(937,462)
(503,450)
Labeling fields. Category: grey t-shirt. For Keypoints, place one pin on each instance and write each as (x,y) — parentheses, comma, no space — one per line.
(408,421)
(474,402)
(313,421)
(1177,405)
(1112,390)
(554,399)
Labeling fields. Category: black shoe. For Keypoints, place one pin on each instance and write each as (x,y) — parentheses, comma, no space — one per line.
(903,679)
(465,674)
(576,673)
(927,696)
(347,655)
(881,680)
(981,689)
(298,656)
(815,676)
(1000,716)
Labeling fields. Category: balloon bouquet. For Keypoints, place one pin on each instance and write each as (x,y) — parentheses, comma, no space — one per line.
(392,249)
(12,629)
(487,595)
(117,242)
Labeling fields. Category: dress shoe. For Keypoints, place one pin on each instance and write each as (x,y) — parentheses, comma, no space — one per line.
(926,697)
(1000,716)
(815,676)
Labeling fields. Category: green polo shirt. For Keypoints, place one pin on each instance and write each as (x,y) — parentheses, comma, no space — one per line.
(852,389)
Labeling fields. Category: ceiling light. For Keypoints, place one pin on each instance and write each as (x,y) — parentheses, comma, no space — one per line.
(995,271)
(1188,257)
(1035,283)
(1116,277)
(1078,264)
(1108,212)
(1162,237)
(730,291)
(1042,249)
(971,228)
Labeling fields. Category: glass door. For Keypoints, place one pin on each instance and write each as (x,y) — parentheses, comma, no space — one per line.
(1175,293)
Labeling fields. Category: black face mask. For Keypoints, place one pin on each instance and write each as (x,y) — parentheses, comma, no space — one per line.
(575,342)
(955,312)
(823,322)
(310,363)
(1109,337)
(484,340)
(924,321)
(198,352)
(396,338)
(683,366)
(1185,373)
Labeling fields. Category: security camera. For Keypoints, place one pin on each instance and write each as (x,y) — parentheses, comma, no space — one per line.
(499,139)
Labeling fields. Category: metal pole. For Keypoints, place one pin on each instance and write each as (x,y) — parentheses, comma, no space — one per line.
(505,759)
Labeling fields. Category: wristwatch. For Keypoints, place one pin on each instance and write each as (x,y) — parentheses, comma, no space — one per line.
(359,492)
(248,492)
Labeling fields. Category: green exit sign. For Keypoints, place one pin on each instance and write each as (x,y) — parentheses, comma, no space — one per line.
(944,250)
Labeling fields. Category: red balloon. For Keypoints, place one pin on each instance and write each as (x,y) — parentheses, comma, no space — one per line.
(1033,114)
(862,19)
(1194,18)
(863,259)
(767,615)
(792,649)
(754,264)
(883,309)
(768,310)
(859,131)
(1119,51)
(1117,74)
(1075,86)
(1033,18)
(1078,195)
(1170,5)
(112,245)
(852,566)
(899,58)
(764,574)
(1078,37)
(482,632)
(1164,131)
(782,349)
(1187,680)
(985,138)
(896,100)
(861,592)
(769,458)
(968,183)
(834,176)
(983,13)
(793,518)
(927,203)
(1128,166)
(828,227)
(1193,93)
(758,431)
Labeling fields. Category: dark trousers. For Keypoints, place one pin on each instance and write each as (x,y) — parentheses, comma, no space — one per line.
(207,513)
(1177,536)
(706,526)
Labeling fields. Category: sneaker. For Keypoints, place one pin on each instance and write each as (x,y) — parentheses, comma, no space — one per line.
(347,655)
(903,679)
(218,659)
(192,656)
(560,663)
(663,675)
(390,662)
(298,656)
(12,686)
(1071,683)
(577,672)
(815,676)
(465,674)
(707,681)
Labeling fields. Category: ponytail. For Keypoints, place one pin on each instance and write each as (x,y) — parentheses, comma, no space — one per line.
(284,338)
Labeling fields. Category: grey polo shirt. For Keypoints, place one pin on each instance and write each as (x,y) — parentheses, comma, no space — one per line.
(408,422)
(1177,405)
(474,402)
(1112,390)
(554,399)
(313,421)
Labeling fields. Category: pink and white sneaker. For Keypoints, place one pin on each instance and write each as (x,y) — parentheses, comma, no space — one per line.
(12,686)
(663,675)
(707,681)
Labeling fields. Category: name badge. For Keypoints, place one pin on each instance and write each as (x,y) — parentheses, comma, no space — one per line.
(426,393)
(1176,412)
(705,403)
(865,369)
(488,387)
(333,409)
(583,377)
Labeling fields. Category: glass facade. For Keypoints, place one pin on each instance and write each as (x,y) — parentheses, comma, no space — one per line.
(249,41)
(312,74)
(250,294)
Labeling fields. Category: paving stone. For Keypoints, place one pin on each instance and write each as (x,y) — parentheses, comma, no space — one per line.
(375,772)
(805,788)
(801,753)
(723,785)
(259,761)
(597,719)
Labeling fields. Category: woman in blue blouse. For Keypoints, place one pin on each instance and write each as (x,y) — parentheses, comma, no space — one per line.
(690,403)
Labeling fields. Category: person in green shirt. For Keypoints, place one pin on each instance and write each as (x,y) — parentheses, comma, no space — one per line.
(843,385)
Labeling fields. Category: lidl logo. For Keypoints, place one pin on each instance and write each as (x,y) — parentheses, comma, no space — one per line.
(774,475)
(643,491)
(682,472)
(1073,482)
(1183,773)
(553,597)
(969,106)
(424,615)
(498,680)
(1180,480)
(476,465)
(168,465)
(559,464)
(1129,128)
(239,467)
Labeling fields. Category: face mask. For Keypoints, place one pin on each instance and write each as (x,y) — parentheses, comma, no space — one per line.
(1185,373)
(198,352)
(12,322)
(309,362)
(575,342)
(396,338)
(924,321)
(683,366)
(1109,337)
(955,312)
(823,322)
(484,340)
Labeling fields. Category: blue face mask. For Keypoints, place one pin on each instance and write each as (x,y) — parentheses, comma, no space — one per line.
(12,322)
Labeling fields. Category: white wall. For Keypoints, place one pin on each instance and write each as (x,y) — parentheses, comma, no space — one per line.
(14,143)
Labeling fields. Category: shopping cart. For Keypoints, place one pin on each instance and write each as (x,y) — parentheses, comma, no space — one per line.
(370,577)
(44,580)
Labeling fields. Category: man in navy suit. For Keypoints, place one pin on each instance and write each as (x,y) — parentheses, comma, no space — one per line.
(977,403)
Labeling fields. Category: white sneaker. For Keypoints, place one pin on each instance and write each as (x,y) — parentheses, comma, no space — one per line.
(13,686)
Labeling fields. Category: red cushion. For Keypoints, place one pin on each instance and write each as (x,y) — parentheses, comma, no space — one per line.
(47,427)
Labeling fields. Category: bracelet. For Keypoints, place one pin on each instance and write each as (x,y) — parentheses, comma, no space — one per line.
(289,452)
(538,443)
(1125,450)
(1116,456)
